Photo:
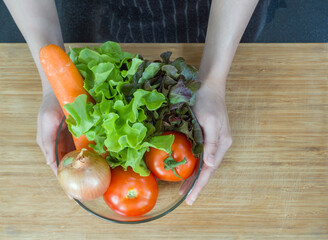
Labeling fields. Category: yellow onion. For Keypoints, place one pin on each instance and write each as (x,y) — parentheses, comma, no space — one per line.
(84,174)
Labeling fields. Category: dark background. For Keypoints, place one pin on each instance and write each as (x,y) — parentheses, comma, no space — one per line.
(99,21)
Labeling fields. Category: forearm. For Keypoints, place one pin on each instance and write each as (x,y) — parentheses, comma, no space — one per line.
(227,23)
(39,24)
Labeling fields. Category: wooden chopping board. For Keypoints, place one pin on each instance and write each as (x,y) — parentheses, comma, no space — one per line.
(273,182)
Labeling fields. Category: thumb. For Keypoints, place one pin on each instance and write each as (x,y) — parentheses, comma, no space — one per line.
(211,143)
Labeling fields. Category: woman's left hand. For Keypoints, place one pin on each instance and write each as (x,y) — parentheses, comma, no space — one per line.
(211,112)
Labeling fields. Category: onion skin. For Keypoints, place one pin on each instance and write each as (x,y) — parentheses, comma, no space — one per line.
(84,175)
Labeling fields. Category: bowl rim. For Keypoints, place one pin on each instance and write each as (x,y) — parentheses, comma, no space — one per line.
(131,222)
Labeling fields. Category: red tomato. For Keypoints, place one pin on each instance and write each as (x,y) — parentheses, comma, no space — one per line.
(130,194)
(181,149)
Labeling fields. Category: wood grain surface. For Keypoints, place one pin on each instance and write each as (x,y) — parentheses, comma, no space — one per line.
(273,182)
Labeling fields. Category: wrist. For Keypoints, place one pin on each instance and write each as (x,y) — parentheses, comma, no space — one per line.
(214,87)
(214,82)
(35,47)
(213,74)
(46,87)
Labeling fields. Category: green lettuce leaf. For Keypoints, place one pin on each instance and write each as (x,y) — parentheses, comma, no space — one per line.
(81,118)
(133,67)
(118,122)
(112,49)
(135,101)
(163,142)
(150,71)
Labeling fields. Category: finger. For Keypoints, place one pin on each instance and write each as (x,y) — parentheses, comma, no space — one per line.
(225,142)
(49,142)
(53,167)
(203,179)
(185,185)
(64,126)
(49,148)
(62,147)
(51,159)
(211,142)
(68,141)
(39,136)
(207,171)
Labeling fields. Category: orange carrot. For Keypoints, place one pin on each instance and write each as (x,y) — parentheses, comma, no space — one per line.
(82,142)
(65,80)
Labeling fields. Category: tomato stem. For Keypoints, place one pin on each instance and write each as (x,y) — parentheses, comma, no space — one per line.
(132,194)
(171,164)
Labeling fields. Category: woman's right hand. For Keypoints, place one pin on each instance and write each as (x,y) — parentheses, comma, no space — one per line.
(49,118)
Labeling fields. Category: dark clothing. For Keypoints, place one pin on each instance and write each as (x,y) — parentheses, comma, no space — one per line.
(136,20)
(176,21)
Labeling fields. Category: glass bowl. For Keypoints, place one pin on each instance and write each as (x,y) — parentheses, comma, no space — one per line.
(170,194)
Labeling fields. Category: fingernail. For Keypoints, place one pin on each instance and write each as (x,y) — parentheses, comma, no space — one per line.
(210,161)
